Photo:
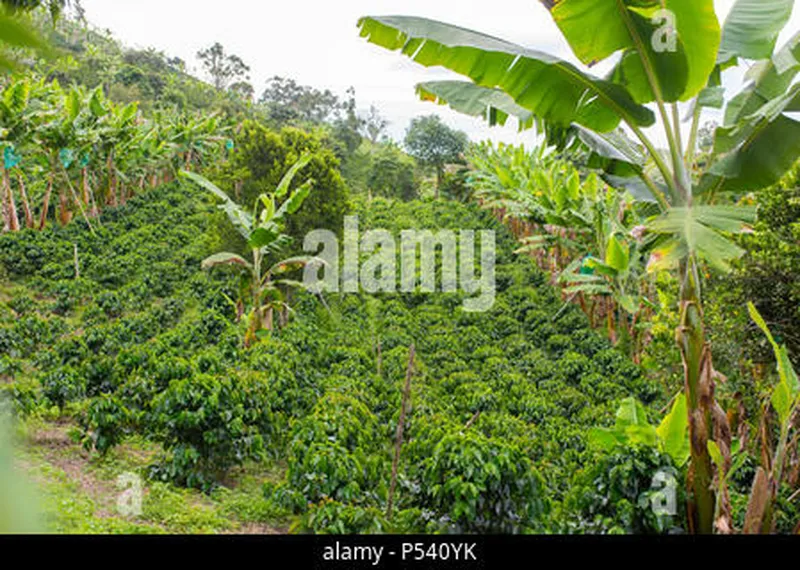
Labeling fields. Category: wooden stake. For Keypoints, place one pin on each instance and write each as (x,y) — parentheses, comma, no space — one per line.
(379,358)
(400,427)
(77,262)
(473,419)
(46,204)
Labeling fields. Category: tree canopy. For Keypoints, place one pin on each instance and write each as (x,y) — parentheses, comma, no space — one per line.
(434,144)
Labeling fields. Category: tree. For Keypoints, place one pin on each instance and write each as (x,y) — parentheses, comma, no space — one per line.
(660,64)
(374,125)
(291,103)
(261,158)
(223,68)
(347,126)
(243,90)
(434,144)
(392,174)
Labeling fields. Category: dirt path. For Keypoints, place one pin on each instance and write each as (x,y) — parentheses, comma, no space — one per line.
(52,458)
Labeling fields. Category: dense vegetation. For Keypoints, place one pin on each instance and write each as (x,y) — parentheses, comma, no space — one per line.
(153,319)
(145,341)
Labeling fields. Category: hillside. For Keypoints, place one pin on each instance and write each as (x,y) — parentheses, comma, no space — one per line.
(144,333)
(598,336)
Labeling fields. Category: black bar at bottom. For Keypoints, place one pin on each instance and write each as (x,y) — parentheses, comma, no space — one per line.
(384,551)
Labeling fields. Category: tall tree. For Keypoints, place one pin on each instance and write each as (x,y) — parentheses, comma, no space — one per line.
(223,68)
(434,144)
(347,126)
(374,125)
(291,103)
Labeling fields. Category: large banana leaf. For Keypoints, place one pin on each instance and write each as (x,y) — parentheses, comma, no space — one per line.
(631,427)
(786,394)
(696,231)
(226,259)
(758,150)
(596,29)
(613,152)
(552,89)
(295,201)
(752,28)
(634,186)
(771,80)
(286,181)
(673,432)
(16,34)
(622,162)
(491,104)
(242,220)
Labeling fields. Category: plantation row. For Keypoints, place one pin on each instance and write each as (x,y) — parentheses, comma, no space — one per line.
(78,148)
(501,403)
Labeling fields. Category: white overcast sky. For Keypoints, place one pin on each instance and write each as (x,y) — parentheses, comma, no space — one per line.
(316,42)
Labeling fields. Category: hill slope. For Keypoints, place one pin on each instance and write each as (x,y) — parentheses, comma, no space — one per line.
(143,347)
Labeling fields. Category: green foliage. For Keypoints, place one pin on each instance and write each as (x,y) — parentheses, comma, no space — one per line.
(207,425)
(767,274)
(618,495)
(632,429)
(311,395)
(62,386)
(472,484)
(434,144)
(330,517)
(392,174)
(262,158)
(107,423)
(328,454)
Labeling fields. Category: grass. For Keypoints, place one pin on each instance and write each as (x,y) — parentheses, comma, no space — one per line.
(78,492)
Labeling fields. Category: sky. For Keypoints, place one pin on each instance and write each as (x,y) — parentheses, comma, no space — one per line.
(316,42)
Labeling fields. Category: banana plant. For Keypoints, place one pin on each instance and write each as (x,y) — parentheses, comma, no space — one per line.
(785,400)
(195,137)
(15,116)
(262,228)
(539,194)
(117,137)
(86,150)
(576,227)
(632,428)
(669,51)
(57,139)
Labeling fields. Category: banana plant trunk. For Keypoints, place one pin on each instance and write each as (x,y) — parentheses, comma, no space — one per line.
(46,203)
(699,390)
(26,204)
(85,186)
(4,209)
(11,208)
(111,199)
